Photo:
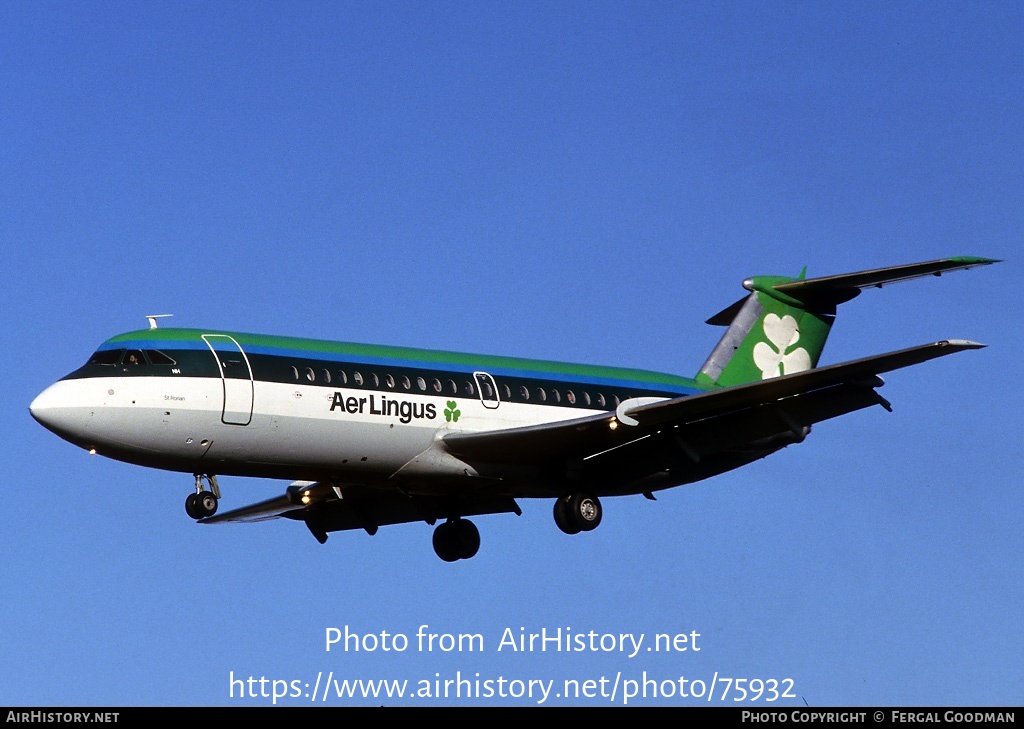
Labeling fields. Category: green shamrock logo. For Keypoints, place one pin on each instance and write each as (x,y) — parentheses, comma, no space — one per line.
(452,412)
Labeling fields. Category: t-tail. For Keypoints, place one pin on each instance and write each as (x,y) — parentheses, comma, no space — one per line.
(780,328)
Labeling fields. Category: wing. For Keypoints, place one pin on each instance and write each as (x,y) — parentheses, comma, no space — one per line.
(748,419)
(326,507)
(726,417)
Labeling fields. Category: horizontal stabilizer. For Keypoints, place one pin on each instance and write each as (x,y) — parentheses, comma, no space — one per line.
(827,292)
(832,290)
(725,316)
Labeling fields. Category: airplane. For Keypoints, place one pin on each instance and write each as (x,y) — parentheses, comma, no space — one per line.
(376,435)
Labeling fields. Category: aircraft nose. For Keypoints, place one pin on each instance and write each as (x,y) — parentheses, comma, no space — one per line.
(46,408)
(53,412)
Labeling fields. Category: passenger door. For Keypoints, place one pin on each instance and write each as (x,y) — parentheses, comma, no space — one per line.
(236,377)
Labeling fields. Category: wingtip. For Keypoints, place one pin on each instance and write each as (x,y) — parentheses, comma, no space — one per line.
(961,344)
(975,260)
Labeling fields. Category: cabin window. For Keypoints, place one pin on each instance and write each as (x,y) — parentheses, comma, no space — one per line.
(357,378)
(376,380)
(389,380)
(437,385)
(327,376)
(524,392)
(155,356)
(541,394)
(586,397)
(570,396)
(295,372)
(107,357)
(600,399)
(555,396)
(453,387)
(405,382)
(310,374)
(615,399)
(421,383)
(508,392)
(470,390)
(342,377)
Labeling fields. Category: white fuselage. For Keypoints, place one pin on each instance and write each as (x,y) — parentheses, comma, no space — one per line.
(293,431)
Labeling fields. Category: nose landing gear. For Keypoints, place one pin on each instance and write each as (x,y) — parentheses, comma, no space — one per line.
(203,503)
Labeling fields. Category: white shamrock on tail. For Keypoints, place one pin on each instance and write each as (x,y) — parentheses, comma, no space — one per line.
(783,333)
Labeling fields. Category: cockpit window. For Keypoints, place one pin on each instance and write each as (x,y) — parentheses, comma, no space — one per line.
(158,358)
(133,358)
(108,357)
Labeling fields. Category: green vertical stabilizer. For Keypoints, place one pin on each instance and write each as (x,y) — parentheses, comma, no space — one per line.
(771,334)
(781,327)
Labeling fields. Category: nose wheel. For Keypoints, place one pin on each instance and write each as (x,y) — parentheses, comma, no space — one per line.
(203,503)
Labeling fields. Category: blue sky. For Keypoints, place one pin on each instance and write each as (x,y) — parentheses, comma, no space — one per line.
(573,181)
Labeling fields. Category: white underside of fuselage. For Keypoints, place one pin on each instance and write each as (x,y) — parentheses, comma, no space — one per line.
(294,430)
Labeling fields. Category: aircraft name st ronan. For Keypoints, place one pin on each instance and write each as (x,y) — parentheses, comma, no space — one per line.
(404,410)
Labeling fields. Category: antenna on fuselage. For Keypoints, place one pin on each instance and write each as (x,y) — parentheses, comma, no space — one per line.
(153,317)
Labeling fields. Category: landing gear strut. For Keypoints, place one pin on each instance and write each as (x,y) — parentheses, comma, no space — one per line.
(203,503)
(577,513)
(456,539)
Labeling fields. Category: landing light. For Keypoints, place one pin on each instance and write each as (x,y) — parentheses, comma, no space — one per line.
(613,424)
(92,451)
(306,498)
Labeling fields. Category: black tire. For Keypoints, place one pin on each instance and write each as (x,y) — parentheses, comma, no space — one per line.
(192,507)
(467,538)
(585,510)
(445,545)
(563,517)
(207,504)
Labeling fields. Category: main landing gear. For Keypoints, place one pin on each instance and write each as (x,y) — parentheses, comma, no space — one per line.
(577,513)
(203,503)
(456,539)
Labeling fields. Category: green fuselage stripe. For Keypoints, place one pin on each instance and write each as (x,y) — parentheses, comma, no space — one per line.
(389,370)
